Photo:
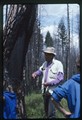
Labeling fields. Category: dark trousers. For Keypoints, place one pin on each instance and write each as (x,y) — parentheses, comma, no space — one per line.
(46,98)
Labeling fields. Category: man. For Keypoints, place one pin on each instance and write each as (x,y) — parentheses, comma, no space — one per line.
(52,71)
(70,90)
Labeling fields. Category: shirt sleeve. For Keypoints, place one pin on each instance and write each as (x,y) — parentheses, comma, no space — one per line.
(38,72)
(61,91)
(60,77)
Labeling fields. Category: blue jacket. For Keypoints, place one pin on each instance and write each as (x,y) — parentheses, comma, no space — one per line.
(9,111)
(70,90)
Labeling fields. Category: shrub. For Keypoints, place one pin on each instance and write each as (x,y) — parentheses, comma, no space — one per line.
(35,107)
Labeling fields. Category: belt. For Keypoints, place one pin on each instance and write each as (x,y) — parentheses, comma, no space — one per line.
(51,85)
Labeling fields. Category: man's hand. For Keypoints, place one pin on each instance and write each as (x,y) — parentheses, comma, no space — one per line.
(67,114)
(34,75)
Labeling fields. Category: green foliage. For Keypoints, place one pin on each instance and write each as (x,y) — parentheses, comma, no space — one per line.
(35,107)
(48,40)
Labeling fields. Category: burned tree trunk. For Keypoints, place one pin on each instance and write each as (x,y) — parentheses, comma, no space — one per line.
(16,36)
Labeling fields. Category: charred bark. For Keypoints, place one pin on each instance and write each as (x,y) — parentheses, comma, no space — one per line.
(16,36)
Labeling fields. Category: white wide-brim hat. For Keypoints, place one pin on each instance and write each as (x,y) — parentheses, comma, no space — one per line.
(50,50)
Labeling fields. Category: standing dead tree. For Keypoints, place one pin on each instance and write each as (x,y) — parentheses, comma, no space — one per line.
(16,36)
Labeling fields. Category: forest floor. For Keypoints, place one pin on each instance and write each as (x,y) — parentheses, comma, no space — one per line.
(35,107)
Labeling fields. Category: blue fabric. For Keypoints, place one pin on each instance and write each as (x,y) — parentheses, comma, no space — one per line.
(70,90)
(10,105)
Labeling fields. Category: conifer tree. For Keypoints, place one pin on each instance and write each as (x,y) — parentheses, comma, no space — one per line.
(48,39)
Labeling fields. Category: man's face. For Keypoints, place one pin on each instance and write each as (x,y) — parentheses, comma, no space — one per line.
(48,57)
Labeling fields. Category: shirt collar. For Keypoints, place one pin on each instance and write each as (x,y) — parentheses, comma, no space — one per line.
(50,63)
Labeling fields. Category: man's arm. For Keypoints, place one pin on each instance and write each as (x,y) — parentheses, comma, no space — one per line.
(60,77)
(37,73)
(60,108)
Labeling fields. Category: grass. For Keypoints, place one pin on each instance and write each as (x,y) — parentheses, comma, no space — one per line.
(64,104)
(35,107)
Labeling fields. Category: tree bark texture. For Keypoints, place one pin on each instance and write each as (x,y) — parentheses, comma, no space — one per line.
(16,36)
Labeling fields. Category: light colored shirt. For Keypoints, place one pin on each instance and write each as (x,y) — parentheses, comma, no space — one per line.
(52,73)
